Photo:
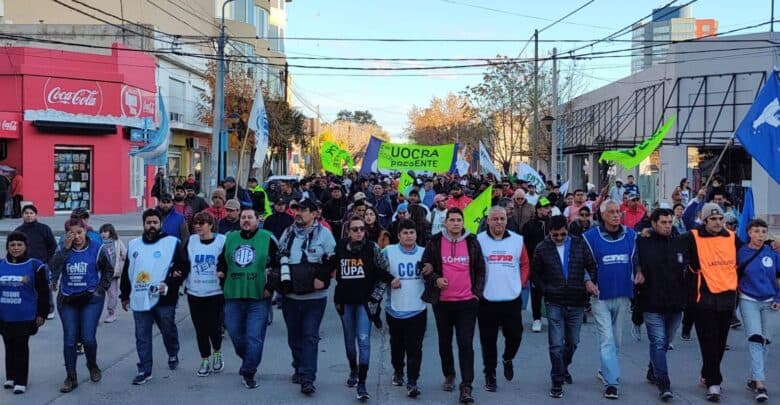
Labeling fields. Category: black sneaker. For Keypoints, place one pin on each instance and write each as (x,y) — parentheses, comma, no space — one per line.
(412,391)
(95,374)
(142,378)
(611,392)
(173,362)
(352,380)
(666,394)
(362,392)
(686,336)
(735,323)
(308,388)
(70,383)
(490,383)
(567,378)
(556,391)
(761,394)
(449,383)
(249,382)
(509,370)
(650,376)
(465,395)
(398,379)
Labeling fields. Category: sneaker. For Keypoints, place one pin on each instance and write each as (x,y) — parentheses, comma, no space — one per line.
(19,389)
(490,383)
(362,392)
(611,392)
(79,348)
(412,391)
(110,319)
(308,388)
(567,378)
(217,363)
(205,368)
(686,336)
(761,394)
(398,379)
(735,323)
(666,394)
(509,370)
(713,393)
(296,378)
(69,384)
(95,375)
(465,395)
(173,362)
(249,382)
(449,383)
(50,316)
(636,332)
(142,378)
(352,380)
(556,391)
(670,347)
(8,384)
(536,327)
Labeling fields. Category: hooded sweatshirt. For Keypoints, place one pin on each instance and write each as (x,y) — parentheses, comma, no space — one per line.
(455,268)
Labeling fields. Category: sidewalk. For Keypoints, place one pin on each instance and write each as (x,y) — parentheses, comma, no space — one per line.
(125,224)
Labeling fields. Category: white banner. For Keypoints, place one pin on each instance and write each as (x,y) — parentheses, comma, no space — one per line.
(527,173)
(462,167)
(258,122)
(487,163)
(564,188)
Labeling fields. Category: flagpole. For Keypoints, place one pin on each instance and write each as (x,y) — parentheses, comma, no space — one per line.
(717,162)
(241,158)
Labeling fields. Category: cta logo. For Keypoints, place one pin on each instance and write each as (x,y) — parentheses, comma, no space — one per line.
(76,97)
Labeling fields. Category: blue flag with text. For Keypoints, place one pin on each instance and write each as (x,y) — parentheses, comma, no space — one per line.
(759,132)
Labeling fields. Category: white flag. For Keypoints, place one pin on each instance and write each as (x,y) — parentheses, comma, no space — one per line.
(258,122)
(462,167)
(564,188)
(527,173)
(487,163)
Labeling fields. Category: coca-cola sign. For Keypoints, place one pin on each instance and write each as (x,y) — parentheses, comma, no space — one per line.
(137,103)
(73,96)
(10,125)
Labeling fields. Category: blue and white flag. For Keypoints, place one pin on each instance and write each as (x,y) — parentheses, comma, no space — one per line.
(486,163)
(527,173)
(759,131)
(258,122)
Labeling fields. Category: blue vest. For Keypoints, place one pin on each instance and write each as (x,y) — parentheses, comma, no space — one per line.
(615,261)
(80,271)
(18,298)
(172,223)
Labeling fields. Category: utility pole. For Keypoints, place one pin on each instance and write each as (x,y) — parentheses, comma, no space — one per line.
(536,100)
(772,24)
(554,132)
(285,80)
(216,163)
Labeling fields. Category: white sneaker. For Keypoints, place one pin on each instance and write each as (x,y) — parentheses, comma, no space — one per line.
(50,316)
(8,384)
(537,326)
(110,319)
(19,389)
(713,393)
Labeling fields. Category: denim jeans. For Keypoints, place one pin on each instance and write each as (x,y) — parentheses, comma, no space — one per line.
(610,315)
(165,318)
(246,321)
(563,336)
(661,329)
(754,320)
(303,318)
(357,327)
(79,324)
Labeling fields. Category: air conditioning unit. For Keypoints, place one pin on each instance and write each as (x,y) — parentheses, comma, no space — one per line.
(193,143)
(176,117)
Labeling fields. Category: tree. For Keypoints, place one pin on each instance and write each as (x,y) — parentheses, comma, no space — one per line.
(448,120)
(357,116)
(351,136)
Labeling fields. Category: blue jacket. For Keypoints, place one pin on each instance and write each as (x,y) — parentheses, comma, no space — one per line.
(171,223)
(759,278)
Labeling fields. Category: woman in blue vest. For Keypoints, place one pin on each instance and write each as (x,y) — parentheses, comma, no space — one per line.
(24,303)
(84,270)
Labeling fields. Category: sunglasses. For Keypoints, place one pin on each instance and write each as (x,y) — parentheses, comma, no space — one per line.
(358,229)
(558,234)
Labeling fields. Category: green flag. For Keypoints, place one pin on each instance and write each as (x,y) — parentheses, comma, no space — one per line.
(332,156)
(404,182)
(477,209)
(630,158)
(420,158)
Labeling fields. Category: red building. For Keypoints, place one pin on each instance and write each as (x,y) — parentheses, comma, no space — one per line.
(63,118)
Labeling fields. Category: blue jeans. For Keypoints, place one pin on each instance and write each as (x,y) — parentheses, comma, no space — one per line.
(303,318)
(610,315)
(356,326)
(165,318)
(79,324)
(661,329)
(563,336)
(754,320)
(246,321)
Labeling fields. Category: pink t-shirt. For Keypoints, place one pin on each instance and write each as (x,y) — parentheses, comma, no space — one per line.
(456,271)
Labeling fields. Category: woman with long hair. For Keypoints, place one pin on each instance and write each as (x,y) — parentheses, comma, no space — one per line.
(118,252)
(84,271)
(374,230)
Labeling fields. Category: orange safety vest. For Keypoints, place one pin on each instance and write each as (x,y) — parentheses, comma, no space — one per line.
(718,263)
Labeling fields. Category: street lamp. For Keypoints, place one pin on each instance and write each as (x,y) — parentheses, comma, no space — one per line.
(548,121)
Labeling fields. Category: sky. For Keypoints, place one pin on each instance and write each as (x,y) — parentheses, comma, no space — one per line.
(390,95)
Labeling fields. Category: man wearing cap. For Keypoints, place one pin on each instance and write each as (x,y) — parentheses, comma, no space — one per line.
(260,201)
(534,232)
(173,223)
(280,220)
(180,206)
(217,209)
(233,190)
(457,198)
(617,191)
(335,208)
(438,213)
(231,221)
(196,202)
(633,211)
(415,204)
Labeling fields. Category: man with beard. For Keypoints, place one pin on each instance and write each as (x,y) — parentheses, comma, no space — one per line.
(196,202)
(173,223)
(180,206)
(231,221)
(287,193)
(242,267)
(306,242)
(457,198)
(534,233)
(156,266)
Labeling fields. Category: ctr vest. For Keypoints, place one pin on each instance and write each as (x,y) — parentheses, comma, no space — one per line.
(18,298)
(148,267)
(503,281)
(202,280)
(246,263)
(717,261)
(80,272)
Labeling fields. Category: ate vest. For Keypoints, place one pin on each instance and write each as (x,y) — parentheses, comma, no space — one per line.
(18,298)
(615,263)
(80,272)
(148,266)
(717,263)
(202,280)
(356,273)
(246,263)
(503,281)
(405,267)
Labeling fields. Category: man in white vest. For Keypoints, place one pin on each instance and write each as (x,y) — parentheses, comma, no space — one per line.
(156,266)
(407,314)
(506,271)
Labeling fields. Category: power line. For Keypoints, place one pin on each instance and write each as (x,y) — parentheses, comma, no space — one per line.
(123,28)
(519,14)
(567,15)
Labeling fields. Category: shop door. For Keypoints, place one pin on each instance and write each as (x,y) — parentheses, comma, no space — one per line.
(72,178)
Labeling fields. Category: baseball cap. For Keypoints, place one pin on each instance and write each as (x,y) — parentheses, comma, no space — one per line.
(166,197)
(633,196)
(403,207)
(229,179)
(619,180)
(709,210)
(543,202)
(304,204)
(358,196)
(232,205)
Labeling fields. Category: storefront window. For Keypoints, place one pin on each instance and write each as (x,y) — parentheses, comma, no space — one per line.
(72,178)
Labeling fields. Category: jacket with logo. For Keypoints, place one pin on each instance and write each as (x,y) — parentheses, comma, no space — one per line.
(360,266)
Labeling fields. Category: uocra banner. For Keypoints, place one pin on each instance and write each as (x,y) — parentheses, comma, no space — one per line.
(420,158)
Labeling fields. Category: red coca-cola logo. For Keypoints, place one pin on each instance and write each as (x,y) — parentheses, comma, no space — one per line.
(72,96)
(137,103)
(8,125)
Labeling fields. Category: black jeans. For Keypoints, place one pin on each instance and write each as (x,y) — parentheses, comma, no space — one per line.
(406,341)
(536,303)
(712,329)
(208,315)
(462,316)
(17,358)
(689,315)
(17,200)
(492,316)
